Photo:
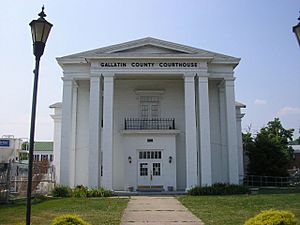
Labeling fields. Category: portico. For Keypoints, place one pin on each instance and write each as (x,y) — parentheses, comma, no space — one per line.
(148,114)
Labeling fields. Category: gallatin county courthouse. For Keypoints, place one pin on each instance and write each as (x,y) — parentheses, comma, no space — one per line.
(148,115)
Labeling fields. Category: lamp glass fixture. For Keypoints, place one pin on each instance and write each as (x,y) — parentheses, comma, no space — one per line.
(40,28)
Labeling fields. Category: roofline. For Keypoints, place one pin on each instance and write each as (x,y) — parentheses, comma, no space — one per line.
(56,105)
(240,105)
(112,50)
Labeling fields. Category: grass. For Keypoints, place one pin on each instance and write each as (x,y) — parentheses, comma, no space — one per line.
(93,210)
(236,209)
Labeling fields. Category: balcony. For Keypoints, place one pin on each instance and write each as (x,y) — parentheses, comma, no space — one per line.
(149,123)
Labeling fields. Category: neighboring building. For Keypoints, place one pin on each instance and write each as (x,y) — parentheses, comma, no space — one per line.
(148,114)
(295,164)
(10,148)
(43,151)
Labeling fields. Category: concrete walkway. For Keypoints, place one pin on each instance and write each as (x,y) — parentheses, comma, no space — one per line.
(156,210)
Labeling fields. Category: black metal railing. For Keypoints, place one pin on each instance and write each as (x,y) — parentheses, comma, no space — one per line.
(149,123)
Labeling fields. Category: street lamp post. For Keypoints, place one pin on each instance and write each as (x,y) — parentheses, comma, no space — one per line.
(296,30)
(40,30)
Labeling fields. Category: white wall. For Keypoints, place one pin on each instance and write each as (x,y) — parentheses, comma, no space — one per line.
(126,104)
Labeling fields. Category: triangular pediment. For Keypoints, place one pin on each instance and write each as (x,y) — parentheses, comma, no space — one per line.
(149,47)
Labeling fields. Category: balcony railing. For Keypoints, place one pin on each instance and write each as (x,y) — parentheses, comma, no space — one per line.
(149,124)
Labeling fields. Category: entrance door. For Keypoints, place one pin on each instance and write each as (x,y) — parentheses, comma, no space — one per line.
(150,170)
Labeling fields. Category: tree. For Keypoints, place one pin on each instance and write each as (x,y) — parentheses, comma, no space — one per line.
(295,141)
(269,153)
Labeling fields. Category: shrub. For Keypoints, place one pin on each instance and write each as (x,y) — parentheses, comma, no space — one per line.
(68,219)
(38,198)
(99,192)
(80,191)
(61,191)
(219,189)
(274,217)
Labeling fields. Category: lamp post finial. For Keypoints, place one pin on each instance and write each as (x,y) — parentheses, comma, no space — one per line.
(42,14)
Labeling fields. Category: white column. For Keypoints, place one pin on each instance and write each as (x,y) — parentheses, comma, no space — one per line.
(231,131)
(56,140)
(225,176)
(95,116)
(72,167)
(204,135)
(66,128)
(190,131)
(108,101)
(239,117)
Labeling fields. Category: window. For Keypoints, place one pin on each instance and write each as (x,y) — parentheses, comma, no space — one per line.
(44,157)
(51,158)
(156,169)
(149,106)
(150,155)
(143,169)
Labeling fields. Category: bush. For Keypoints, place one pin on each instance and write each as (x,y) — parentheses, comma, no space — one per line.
(80,191)
(61,191)
(38,198)
(99,192)
(219,189)
(68,219)
(274,217)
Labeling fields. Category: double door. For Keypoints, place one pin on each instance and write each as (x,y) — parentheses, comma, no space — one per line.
(150,170)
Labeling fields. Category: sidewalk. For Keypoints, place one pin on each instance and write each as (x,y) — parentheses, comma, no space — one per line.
(156,210)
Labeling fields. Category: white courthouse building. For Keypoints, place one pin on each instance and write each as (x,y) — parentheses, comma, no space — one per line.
(148,114)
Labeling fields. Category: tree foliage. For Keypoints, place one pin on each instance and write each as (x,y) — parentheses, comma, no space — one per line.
(268,152)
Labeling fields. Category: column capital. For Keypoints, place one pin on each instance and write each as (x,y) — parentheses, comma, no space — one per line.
(202,72)
(226,79)
(67,78)
(69,81)
(95,79)
(95,73)
(203,79)
(189,74)
(108,74)
(189,77)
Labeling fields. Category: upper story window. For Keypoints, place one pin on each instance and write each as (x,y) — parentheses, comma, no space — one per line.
(44,157)
(149,106)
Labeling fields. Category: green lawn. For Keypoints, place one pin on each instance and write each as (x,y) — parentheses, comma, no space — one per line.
(213,210)
(93,210)
(236,209)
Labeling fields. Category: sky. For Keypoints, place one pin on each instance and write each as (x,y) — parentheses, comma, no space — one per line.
(258,32)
